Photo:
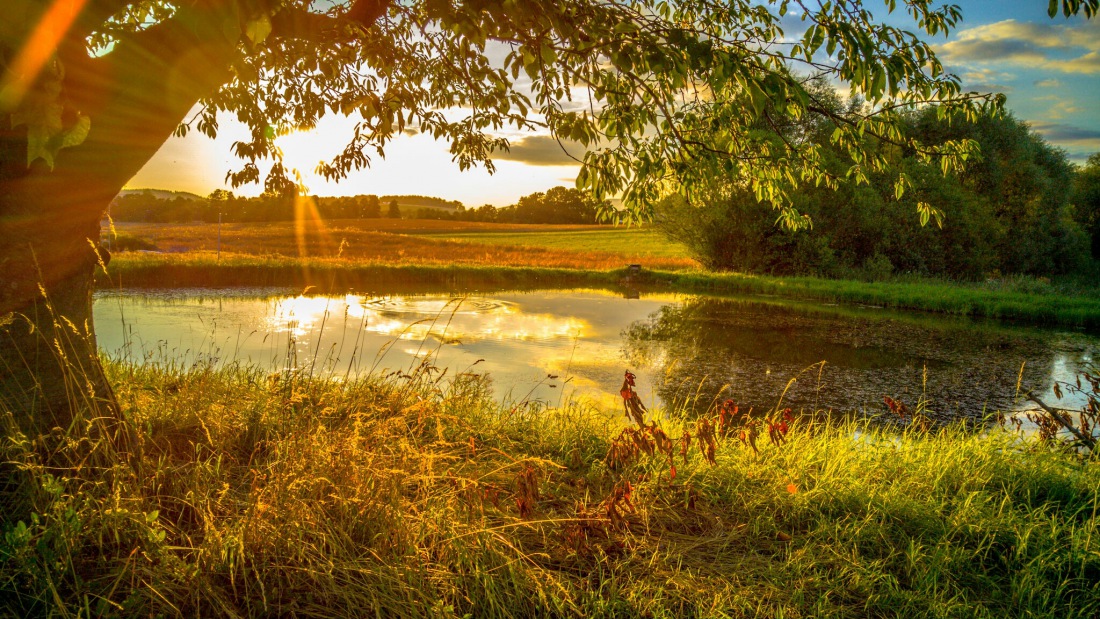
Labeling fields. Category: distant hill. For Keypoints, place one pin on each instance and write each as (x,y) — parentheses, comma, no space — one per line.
(162,194)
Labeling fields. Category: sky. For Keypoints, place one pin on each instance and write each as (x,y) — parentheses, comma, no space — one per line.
(1048,68)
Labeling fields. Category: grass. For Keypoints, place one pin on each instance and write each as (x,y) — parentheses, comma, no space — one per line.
(1016,300)
(195,269)
(415,496)
(634,242)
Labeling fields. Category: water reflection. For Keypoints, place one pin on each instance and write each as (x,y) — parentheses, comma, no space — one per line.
(520,340)
(846,359)
(555,344)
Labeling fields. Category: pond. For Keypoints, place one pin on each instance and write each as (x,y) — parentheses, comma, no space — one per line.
(553,346)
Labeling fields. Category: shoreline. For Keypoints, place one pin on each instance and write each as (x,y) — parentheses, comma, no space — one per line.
(319,275)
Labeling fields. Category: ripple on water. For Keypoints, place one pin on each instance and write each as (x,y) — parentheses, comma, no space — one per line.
(423,306)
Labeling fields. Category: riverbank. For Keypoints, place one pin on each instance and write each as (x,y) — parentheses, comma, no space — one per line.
(1029,301)
(412,496)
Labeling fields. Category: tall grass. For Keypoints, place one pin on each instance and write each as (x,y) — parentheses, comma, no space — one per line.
(414,495)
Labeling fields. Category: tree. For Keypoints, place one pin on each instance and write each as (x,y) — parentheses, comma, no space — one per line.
(369,207)
(1086,200)
(559,205)
(1008,211)
(90,89)
(393,211)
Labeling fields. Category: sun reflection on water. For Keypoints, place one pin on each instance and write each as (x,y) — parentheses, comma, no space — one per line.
(459,319)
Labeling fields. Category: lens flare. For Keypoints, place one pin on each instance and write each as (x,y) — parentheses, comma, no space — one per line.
(38,49)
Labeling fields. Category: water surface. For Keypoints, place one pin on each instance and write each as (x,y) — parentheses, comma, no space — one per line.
(551,345)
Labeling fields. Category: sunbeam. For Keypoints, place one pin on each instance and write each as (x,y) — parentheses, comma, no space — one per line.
(38,49)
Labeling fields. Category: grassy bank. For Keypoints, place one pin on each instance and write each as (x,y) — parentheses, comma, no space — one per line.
(194,269)
(1024,300)
(411,496)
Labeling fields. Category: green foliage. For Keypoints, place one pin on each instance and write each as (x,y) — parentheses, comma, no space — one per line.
(652,75)
(1086,201)
(1008,212)
(558,206)
(147,206)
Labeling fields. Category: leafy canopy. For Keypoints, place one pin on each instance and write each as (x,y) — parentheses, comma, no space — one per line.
(662,95)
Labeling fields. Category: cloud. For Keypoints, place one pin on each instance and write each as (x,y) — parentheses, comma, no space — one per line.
(1064,49)
(542,150)
(1057,132)
(1056,108)
(986,80)
(1048,83)
(1089,63)
(1079,142)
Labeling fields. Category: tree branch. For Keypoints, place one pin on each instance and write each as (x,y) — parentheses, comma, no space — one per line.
(1063,421)
(138,93)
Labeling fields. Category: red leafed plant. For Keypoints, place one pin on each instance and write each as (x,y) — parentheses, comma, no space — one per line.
(919,419)
(707,433)
(632,404)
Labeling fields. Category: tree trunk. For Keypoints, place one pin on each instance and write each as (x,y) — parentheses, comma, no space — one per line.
(52,385)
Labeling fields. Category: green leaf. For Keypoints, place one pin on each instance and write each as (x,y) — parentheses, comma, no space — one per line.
(43,122)
(257,30)
(75,135)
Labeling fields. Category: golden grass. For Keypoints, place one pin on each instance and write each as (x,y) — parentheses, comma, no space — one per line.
(388,241)
(415,496)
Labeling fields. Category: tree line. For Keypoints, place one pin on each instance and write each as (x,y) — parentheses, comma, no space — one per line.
(558,205)
(1020,207)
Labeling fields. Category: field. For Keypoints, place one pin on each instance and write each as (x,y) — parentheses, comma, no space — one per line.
(632,242)
(426,242)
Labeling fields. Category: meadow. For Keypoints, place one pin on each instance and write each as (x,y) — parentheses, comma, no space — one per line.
(414,496)
(424,241)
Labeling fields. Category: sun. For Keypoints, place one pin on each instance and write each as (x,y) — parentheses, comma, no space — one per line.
(302,152)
